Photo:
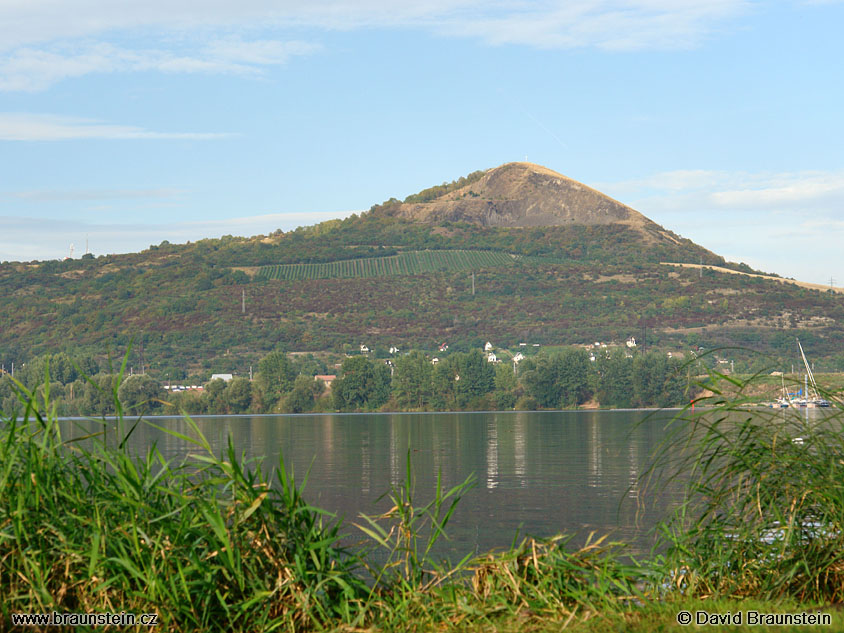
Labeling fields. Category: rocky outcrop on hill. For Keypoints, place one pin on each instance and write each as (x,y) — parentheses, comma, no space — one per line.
(523,195)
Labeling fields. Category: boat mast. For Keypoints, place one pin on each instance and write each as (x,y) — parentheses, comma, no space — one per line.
(808,372)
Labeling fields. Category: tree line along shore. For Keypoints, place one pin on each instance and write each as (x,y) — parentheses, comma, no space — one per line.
(283,383)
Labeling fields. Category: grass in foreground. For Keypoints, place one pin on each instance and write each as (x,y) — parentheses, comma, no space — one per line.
(215,544)
(764,513)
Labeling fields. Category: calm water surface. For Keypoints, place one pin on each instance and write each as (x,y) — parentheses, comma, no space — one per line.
(539,473)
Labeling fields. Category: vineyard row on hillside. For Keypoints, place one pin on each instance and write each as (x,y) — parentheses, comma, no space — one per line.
(410,263)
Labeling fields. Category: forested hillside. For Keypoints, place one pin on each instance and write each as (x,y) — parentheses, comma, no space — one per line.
(384,281)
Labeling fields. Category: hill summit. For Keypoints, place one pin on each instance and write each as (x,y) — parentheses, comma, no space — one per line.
(518,195)
(522,195)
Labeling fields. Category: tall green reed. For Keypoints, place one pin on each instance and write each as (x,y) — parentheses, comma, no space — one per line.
(763,515)
(211,543)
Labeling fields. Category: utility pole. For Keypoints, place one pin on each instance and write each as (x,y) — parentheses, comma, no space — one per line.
(243,302)
(142,354)
(250,373)
(473,284)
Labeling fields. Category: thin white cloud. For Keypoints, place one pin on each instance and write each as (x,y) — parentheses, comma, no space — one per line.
(607,24)
(235,50)
(24,22)
(45,41)
(787,190)
(46,127)
(30,69)
(95,194)
(719,190)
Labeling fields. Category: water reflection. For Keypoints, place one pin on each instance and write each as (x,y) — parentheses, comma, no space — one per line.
(492,453)
(540,473)
(519,450)
(633,479)
(595,467)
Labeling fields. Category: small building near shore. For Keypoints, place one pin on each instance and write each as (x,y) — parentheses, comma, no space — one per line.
(326,378)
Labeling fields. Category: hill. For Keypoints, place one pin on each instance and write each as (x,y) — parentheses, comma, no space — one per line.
(520,195)
(550,261)
(524,195)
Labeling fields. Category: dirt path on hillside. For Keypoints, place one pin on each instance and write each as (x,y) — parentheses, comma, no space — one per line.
(802,284)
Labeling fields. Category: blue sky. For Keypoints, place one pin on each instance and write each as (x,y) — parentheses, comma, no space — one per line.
(135,122)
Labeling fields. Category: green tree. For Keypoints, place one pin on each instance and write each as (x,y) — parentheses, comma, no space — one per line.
(573,377)
(61,369)
(658,381)
(412,380)
(443,379)
(99,396)
(561,380)
(140,392)
(505,386)
(475,376)
(363,385)
(301,397)
(212,394)
(615,380)
(275,377)
(238,395)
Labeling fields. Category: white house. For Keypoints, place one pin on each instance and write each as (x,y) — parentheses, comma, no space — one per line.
(491,358)
(518,357)
(394,350)
(488,347)
(631,342)
(364,349)
(225,377)
(435,360)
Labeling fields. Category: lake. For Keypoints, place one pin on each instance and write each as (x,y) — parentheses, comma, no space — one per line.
(539,473)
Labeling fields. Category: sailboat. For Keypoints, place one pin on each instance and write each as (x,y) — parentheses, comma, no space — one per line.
(811,398)
(783,401)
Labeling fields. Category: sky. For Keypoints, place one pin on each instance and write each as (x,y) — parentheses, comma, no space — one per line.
(126,124)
